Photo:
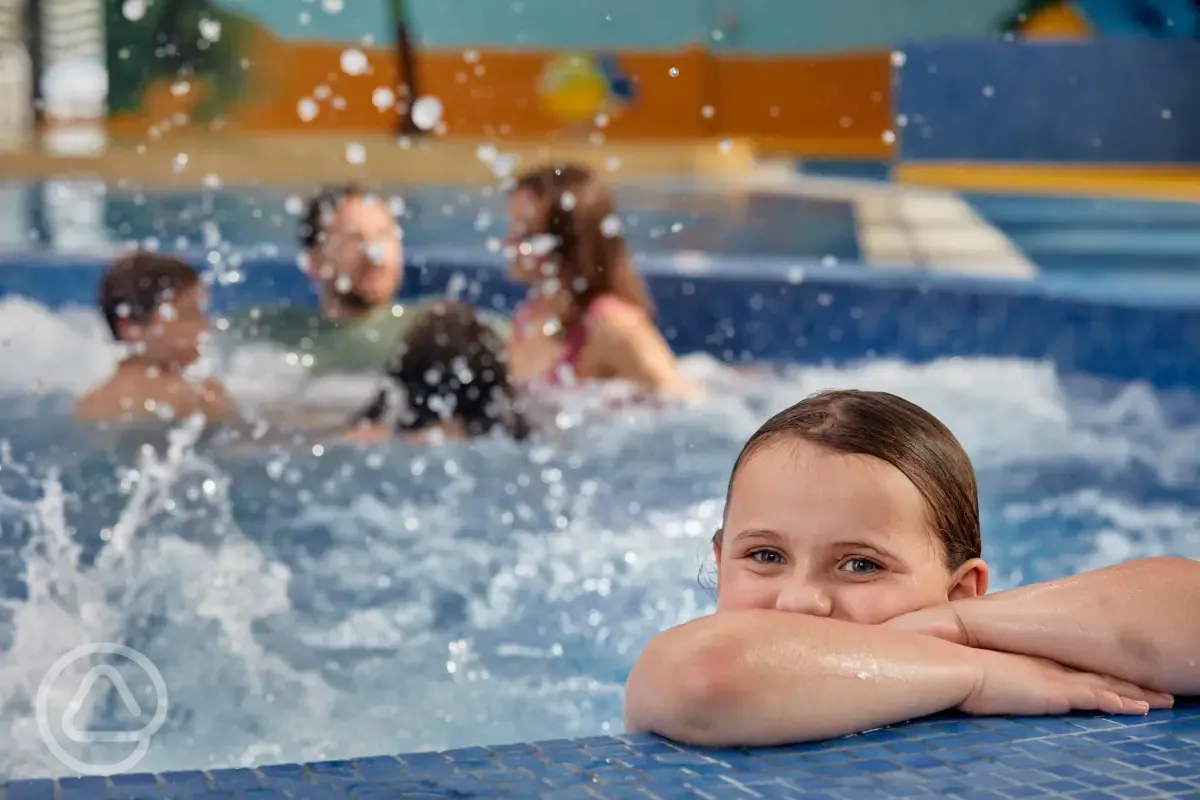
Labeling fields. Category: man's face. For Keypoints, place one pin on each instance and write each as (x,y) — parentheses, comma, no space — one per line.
(361,258)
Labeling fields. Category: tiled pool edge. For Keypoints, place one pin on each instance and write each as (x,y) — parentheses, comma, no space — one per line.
(1082,757)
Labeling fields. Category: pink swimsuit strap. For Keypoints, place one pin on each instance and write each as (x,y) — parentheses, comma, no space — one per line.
(575,338)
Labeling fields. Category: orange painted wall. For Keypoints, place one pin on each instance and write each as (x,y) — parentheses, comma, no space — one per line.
(837,104)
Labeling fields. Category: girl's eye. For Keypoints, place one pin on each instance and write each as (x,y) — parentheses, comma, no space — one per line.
(860,566)
(766,556)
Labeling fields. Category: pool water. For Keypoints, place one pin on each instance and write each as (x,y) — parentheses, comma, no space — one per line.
(403,598)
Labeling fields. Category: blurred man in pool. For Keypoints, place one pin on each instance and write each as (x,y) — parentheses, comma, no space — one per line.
(352,251)
(851,594)
(154,304)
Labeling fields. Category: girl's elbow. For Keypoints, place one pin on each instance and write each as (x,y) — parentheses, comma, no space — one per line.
(678,690)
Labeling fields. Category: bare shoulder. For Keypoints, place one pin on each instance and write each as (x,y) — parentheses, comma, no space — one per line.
(101,403)
(621,321)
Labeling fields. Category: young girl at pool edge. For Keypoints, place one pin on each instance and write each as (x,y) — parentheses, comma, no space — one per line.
(851,594)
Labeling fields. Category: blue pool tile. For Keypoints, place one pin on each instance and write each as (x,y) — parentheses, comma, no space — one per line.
(1173,787)
(31,790)
(1070,758)
(234,779)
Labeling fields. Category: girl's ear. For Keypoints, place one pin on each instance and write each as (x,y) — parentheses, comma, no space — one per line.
(968,581)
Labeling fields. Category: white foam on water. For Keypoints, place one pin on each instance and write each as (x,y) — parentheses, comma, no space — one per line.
(399,598)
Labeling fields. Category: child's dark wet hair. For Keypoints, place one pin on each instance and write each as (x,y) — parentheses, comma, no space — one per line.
(449,365)
(320,208)
(136,285)
(891,429)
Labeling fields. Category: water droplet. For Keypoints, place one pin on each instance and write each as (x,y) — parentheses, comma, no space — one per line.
(396,206)
(611,226)
(708,112)
(989,91)
(487,154)
(427,112)
(332,6)
(889,137)
(356,153)
(673,72)
(1166,113)
(133,10)
(307,108)
(383,98)
(567,201)
(354,61)
(210,29)
(181,161)
(180,88)
(294,206)
(305,17)
(471,56)
(899,58)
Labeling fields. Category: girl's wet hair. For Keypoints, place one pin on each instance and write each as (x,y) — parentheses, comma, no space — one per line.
(908,437)
(449,365)
(579,215)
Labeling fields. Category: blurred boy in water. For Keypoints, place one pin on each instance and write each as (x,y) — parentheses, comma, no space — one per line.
(155,304)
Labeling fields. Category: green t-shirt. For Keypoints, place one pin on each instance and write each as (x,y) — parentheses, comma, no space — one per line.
(359,344)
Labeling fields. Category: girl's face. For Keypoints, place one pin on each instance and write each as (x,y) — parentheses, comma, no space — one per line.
(529,251)
(818,532)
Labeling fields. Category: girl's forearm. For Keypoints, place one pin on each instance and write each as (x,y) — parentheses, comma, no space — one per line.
(768,677)
(1138,621)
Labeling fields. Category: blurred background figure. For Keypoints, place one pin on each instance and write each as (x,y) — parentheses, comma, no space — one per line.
(447,378)
(155,305)
(588,315)
(352,252)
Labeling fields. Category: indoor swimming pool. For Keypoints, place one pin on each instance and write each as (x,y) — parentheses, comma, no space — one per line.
(312,603)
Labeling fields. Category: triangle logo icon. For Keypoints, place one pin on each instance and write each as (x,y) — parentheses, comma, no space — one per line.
(79,702)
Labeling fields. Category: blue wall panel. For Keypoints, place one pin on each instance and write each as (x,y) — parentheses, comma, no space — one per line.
(1120,99)
(775,312)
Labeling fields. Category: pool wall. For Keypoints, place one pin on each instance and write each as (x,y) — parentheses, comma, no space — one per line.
(761,311)
(1120,99)
(781,311)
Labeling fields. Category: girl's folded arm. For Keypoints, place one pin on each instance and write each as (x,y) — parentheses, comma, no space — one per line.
(1139,621)
(770,677)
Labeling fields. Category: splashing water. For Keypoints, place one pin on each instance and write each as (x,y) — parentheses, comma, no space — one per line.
(364,601)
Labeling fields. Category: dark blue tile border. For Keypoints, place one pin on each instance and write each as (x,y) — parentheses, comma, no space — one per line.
(787,311)
(946,756)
